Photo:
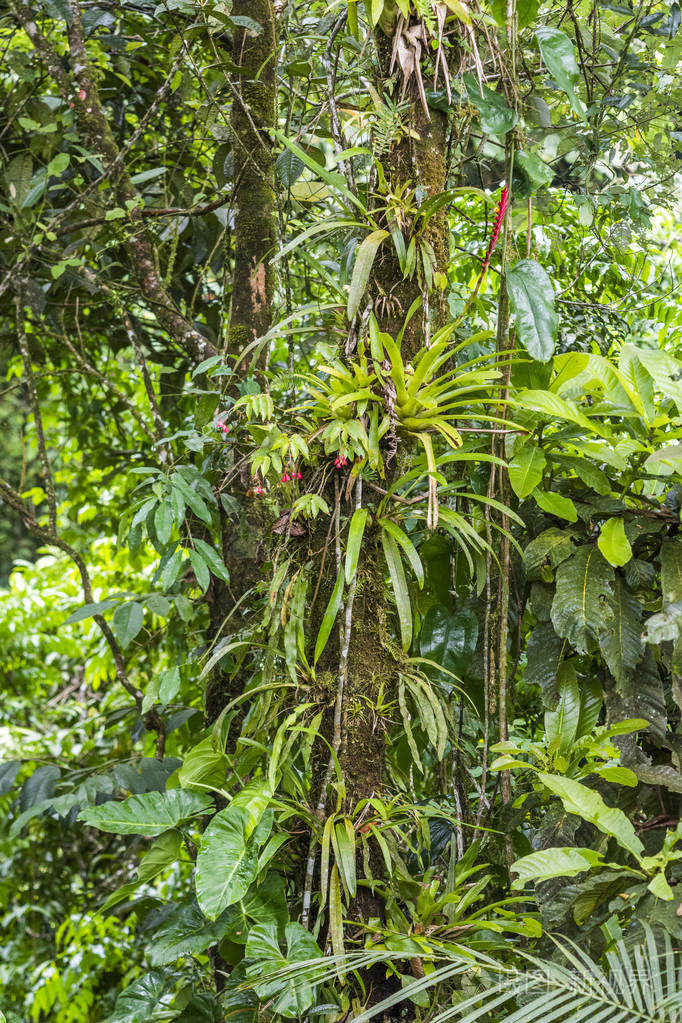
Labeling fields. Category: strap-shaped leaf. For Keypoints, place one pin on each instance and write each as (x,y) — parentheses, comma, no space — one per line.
(329,616)
(400,590)
(356,531)
(364,261)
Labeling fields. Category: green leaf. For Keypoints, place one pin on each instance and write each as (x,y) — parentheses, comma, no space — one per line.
(558,54)
(343,838)
(544,652)
(581,609)
(532,300)
(169,684)
(561,725)
(555,504)
(163,522)
(356,532)
(496,117)
(265,904)
(163,853)
(185,932)
(621,642)
(88,610)
(146,814)
(329,616)
(549,863)
(212,559)
(362,269)
(449,638)
(203,765)
(289,167)
(203,576)
(660,887)
(227,864)
(552,546)
(9,769)
(137,1003)
(291,994)
(400,591)
(589,805)
(127,622)
(191,498)
(409,550)
(613,543)
(671,570)
(525,469)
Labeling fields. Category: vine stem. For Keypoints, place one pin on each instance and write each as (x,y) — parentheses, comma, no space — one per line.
(345,633)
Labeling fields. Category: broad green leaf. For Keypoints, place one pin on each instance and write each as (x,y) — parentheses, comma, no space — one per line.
(553,406)
(400,591)
(266,903)
(591,700)
(550,547)
(613,543)
(589,805)
(558,54)
(532,300)
(561,724)
(169,685)
(666,625)
(621,642)
(496,117)
(671,570)
(203,766)
(549,863)
(660,887)
(9,769)
(356,531)
(289,167)
(555,504)
(227,864)
(525,469)
(163,853)
(185,932)
(293,993)
(364,261)
(127,622)
(139,1001)
(581,609)
(146,814)
(544,651)
(449,638)
(329,616)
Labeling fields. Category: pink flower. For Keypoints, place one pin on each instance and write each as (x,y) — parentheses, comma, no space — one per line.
(286,477)
(259,489)
(298,475)
(223,427)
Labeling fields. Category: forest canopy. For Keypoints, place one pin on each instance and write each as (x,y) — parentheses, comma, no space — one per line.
(340,490)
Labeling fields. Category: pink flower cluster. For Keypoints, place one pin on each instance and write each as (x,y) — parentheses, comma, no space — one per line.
(340,460)
(223,427)
(292,474)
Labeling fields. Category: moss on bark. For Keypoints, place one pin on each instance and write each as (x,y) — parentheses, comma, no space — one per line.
(253,116)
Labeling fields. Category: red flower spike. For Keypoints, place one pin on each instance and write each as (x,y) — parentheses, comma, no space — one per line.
(497,226)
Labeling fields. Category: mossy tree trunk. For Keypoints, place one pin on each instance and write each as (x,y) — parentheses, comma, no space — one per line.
(254,109)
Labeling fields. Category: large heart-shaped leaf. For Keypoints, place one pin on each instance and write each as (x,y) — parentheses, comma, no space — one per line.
(147,814)
(227,864)
(532,299)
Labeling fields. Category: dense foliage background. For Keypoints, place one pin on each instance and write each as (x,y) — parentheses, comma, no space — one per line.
(341,607)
